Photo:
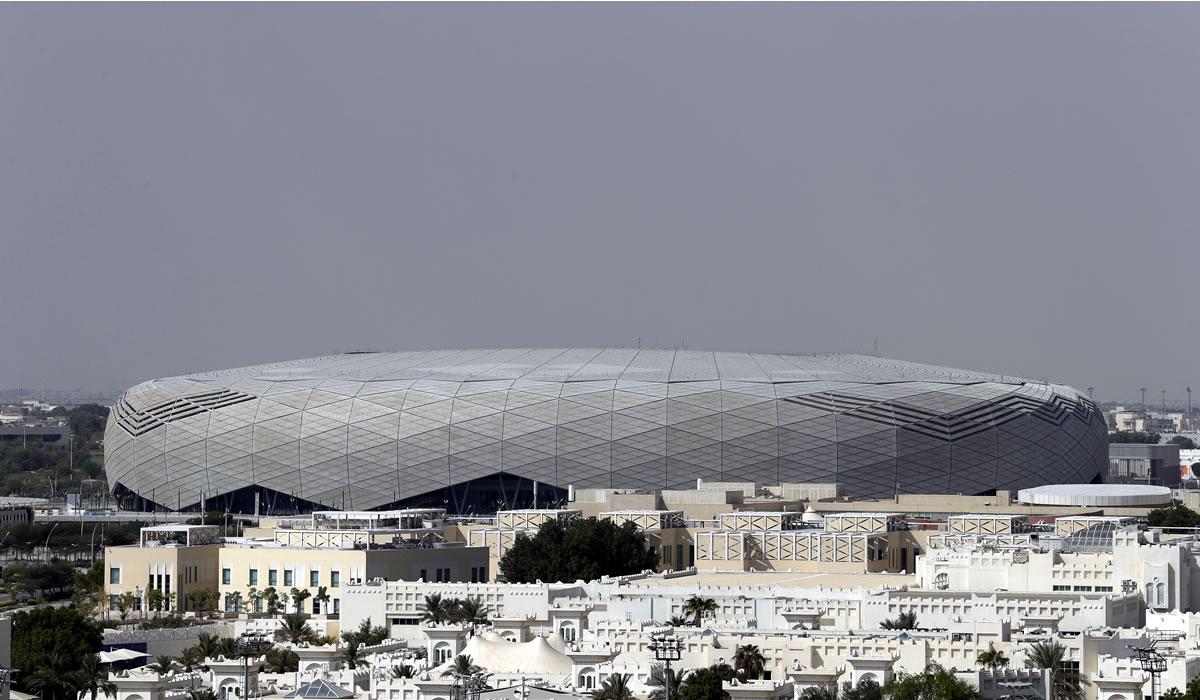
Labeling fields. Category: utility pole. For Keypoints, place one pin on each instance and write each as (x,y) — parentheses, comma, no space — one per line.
(1092,394)
(1164,402)
(1189,418)
(1143,399)
(666,649)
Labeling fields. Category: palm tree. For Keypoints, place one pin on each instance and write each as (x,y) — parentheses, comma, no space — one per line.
(299,595)
(822,692)
(191,658)
(463,665)
(660,680)
(51,680)
(403,671)
(202,694)
(615,686)
(906,620)
(436,609)
(677,621)
(749,660)
(993,658)
(1051,656)
(280,660)
(209,645)
(472,610)
(294,628)
(322,599)
(162,665)
(92,678)
(354,654)
(698,607)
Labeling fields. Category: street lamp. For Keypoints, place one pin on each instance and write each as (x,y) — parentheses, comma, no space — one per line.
(249,644)
(1151,662)
(666,649)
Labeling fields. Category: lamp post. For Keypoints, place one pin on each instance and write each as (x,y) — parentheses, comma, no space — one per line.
(249,644)
(1151,662)
(666,649)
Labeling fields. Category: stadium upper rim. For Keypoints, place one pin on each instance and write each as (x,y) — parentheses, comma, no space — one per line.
(614,364)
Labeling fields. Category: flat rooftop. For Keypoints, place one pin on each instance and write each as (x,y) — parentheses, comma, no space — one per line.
(768,579)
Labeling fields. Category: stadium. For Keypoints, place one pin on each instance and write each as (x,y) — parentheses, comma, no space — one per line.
(474,430)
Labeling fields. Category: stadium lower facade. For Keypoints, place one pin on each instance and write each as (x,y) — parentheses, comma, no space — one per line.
(473,430)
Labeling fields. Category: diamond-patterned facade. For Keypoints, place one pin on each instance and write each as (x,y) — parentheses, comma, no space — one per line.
(365,430)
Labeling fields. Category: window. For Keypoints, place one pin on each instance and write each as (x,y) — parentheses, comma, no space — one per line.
(1062,588)
(666,554)
(272,578)
(335,579)
(253,577)
(424,575)
(337,606)
(114,575)
(289,577)
(113,601)
(226,576)
(258,604)
(316,607)
(568,632)
(314,579)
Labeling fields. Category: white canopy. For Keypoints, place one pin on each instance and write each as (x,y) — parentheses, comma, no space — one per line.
(108,657)
(534,656)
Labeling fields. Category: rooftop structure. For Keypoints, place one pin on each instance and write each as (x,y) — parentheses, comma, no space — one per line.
(1098,495)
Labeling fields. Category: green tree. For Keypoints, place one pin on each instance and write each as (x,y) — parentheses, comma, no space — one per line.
(1129,437)
(271,595)
(437,609)
(706,683)
(584,549)
(280,660)
(749,661)
(906,620)
(403,671)
(203,599)
(615,686)
(354,655)
(92,677)
(934,683)
(208,645)
(202,694)
(322,598)
(299,595)
(661,681)
(191,659)
(865,690)
(126,602)
(45,632)
(815,692)
(677,621)
(1174,515)
(1184,442)
(463,665)
(155,599)
(294,629)
(365,634)
(699,607)
(1052,656)
(51,679)
(471,610)
(162,665)
(992,658)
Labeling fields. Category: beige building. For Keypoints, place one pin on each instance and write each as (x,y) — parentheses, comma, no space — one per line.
(172,559)
(285,560)
(248,569)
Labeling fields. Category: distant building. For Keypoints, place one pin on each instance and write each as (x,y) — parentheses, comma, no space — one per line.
(1143,464)
(19,433)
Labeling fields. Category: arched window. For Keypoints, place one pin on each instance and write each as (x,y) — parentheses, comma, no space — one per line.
(442,653)
(941,582)
(568,631)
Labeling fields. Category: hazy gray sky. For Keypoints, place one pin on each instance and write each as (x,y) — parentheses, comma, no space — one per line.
(1012,188)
